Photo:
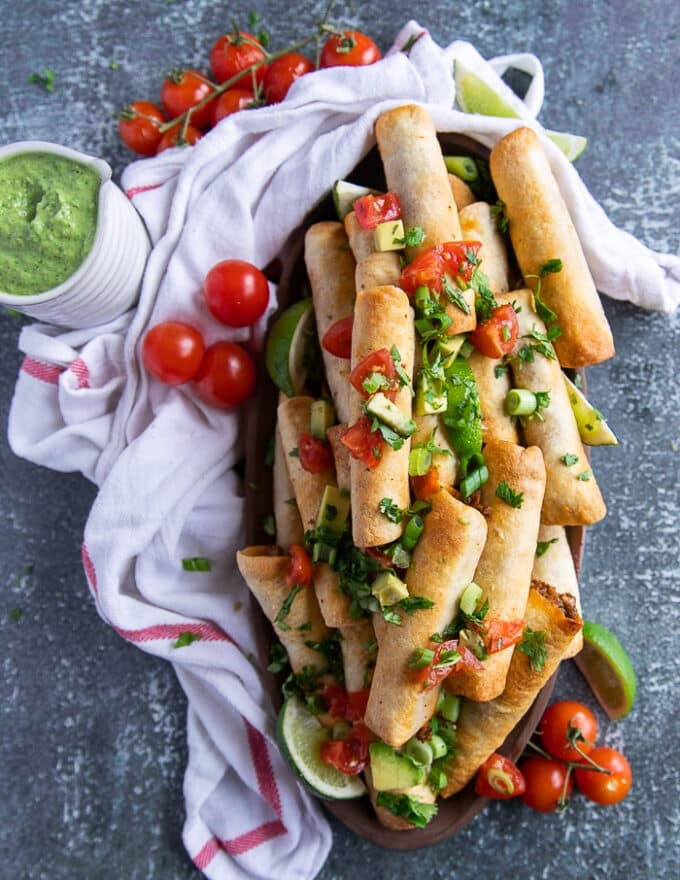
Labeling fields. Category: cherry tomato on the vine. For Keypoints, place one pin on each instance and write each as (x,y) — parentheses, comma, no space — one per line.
(227,375)
(565,724)
(605,788)
(234,52)
(179,136)
(230,102)
(183,89)
(139,127)
(236,292)
(172,352)
(499,778)
(545,783)
(349,49)
(282,73)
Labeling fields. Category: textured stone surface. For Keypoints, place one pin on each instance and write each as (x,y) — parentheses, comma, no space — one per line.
(92,730)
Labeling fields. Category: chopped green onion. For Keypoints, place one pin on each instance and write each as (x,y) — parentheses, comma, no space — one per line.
(421,658)
(421,298)
(447,658)
(448,706)
(462,166)
(418,751)
(196,563)
(520,402)
(419,461)
(412,532)
(474,481)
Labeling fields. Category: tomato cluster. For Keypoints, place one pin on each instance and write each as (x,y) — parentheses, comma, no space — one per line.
(224,374)
(244,76)
(567,733)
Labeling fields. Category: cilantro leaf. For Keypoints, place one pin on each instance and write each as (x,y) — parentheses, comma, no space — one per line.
(196,563)
(542,547)
(391,510)
(507,494)
(284,610)
(533,645)
(569,459)
(407,807)
(186,638)
(45,78)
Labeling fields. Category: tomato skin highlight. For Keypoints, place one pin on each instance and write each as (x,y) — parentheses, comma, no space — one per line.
(497,336)
(184,89)
(230,102)
(501,634)
(172,137)
(300,569)
(282,73)
(499,778)
(139,127)
(602,788)
(232,53)
(379,361)
(430,266)
(172,352)
(554,726)
(315,455)
(227,375)
(337,340)
(236,292)
(349,49)
(363,444)
(544,781)
(372,210)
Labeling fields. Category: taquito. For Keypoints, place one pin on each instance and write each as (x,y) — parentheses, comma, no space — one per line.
(477,223)
(377,270)
(360,239)
(461,192)
(493,388)
(358,654)
(555,566)
(289,528)
(340,454)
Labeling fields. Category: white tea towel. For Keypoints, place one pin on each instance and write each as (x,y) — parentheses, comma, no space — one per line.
(163,460)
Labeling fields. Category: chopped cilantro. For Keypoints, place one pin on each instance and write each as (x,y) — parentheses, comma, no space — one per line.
(407,807)
(569,459)
(533,645)
(196,563)
(413,237)
(498,211)
(391,510)
(284,610)
(278,657)
(268,525)
(550,267)
(45,78)
(294,453)
(186,638)
(454,296)
(505,493)
(542,547)
(584,476)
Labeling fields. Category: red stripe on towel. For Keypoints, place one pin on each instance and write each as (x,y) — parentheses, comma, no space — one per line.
(40,370)
(81,371)
(135,190)
(263,768)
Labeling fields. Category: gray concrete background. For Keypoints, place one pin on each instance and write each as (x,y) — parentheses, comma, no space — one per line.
(92,730)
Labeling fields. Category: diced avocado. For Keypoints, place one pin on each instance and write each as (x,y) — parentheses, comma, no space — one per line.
(430,396)
(470,597)
(449,346)
(389,236)
(388,589)
(334,510)
(345,195)
(382,408)
(322,417)
(390,770)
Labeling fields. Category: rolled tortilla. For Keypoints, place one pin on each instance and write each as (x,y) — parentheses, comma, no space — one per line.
(334,604)
(415,169)
(541,230)
(492,388)
(340,454)
(377,270)
(482,727)
(570,499)
(442,565)
(461,192)
(358,654)
(477,223)
(382,318)
(293,418)
(360,239)
(556,567)
(504,569)
(264,571)
(330,268)
(289,528)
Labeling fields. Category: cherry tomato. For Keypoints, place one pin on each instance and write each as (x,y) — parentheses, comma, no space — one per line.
(300,569)
(499,778)
(349,49)
(234,52)
(426,270)
(348,755)
(315,455)
(227,375)
(498,335)
(545,784)
(381,362)
(236,292)
(172,352)
(177,137)
(230,102)
(364,444)
(139,127)
(605,788)
(282,73)
(501,634)
(371,210)
(183,89)
(556,734)
(337,340)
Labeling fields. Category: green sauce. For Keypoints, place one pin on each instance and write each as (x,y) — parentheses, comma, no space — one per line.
(48,220)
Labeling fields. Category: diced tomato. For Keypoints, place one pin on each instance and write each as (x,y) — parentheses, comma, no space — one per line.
(498,335)
(300,568)
(348,755)
(337,340)
(501,634)
(427,485)
(316,456)
(456,256)
(499,778)
(372,210)
(384,560)
(426,270)
(379,361)
(356,704)
(434,674)
(363,444)
(335,698)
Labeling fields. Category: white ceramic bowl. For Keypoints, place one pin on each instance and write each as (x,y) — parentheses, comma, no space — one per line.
(107,283)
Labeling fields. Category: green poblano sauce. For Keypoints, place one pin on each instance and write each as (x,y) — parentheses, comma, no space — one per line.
(48,220)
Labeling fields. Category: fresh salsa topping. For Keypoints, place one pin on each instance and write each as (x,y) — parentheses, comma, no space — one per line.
(372,210)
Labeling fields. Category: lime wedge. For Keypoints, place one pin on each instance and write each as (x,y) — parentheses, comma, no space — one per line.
(300,734)
(475,95)
(606,667)
(289,346)
(592,425)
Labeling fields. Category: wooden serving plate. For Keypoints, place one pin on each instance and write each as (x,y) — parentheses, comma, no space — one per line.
(358,815)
